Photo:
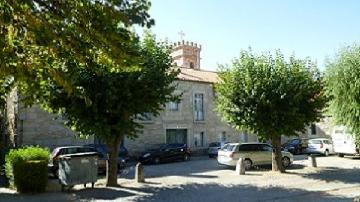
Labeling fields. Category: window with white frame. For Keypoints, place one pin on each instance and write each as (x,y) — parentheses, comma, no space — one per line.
(199,106)
(173,106)
(199,140)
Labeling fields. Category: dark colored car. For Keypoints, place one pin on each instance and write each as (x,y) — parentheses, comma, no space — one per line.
(123,152)
(54,157)
(165,153)
(101,149)
(295,146)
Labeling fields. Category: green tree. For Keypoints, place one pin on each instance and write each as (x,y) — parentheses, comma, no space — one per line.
(81,58)
(270,97)
(110,101)
(342,80)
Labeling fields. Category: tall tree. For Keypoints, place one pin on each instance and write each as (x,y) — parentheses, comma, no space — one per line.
(110,101)
(84,53)
(270,96)
(343,88)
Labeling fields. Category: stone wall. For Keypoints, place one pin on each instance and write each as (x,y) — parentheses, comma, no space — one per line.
(38,127)
(154,131)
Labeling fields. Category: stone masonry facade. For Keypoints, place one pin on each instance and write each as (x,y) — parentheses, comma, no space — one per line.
(198,133)
(192,121)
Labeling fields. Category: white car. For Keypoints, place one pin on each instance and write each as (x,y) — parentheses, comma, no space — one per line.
(253,153)
(322,146)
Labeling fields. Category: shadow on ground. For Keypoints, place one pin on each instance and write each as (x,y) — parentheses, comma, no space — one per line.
(331,174)
(218,192)
(194,168)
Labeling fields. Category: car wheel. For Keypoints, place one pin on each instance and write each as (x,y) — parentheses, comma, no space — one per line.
(211,156)
(326,153)
(285,162)
(248,164)
(156,160)
(186,157)
(340,155)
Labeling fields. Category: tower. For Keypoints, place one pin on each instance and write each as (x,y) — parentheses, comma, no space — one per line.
(186,54)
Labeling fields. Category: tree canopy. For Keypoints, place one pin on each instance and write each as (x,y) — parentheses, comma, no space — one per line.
(82,59)
(269,95)
(343,88)
(46,38)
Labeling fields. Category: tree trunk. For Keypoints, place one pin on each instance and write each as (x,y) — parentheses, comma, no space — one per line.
(111,164)
(276,154)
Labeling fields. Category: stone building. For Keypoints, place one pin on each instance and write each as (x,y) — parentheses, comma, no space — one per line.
(193,120)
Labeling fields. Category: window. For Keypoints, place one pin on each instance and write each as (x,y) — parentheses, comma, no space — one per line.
(191,65)
(173,106)
(248,147)
(265,147)
(199,139)
(199,106)
(176,136)
(313,129)
(223,136)
(146,116)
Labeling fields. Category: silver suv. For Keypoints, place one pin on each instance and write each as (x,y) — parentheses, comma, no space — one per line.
(253,153)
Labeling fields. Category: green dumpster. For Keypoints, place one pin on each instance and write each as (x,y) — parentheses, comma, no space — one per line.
(80,168)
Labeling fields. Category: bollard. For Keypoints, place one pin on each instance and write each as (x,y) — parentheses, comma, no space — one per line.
(240,167)
(312,161)
(139,173)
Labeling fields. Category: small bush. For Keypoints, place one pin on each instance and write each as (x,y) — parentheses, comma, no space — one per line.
(26,168)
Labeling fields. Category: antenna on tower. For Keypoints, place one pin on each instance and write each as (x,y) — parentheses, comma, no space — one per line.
(181,34)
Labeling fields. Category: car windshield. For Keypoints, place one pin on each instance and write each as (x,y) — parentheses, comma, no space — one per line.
(228,147)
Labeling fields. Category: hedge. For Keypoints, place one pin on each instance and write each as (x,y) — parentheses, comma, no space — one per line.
(26,169)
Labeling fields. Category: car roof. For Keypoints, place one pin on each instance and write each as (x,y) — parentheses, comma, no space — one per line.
(320,139)
(258,143)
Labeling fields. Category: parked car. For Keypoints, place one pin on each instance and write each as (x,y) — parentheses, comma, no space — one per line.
(322,146)
(54,156)
(101,149)
(123,152)
(252,153)
(214,148)
(165,153)
(295,146)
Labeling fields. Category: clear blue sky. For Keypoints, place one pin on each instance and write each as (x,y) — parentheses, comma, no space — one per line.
(314,28)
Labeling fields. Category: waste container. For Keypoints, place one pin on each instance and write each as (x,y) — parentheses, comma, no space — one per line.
(80,168)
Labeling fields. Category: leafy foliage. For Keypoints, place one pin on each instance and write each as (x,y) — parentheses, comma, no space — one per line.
(82,59)
(343,88)
(46,38)
(270,96)
(27,168)
(110,100)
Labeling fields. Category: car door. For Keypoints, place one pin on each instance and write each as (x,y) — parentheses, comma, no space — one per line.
(265,154)
(250,151)
(167,153)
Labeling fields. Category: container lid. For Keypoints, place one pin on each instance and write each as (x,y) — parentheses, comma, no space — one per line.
(79,155)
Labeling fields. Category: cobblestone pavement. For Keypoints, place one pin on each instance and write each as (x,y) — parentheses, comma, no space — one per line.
(202,179)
